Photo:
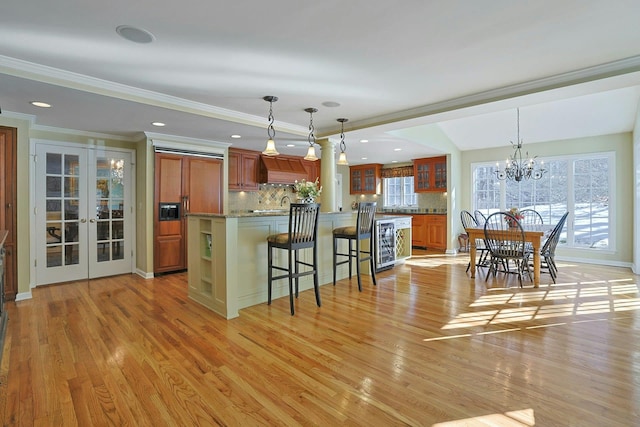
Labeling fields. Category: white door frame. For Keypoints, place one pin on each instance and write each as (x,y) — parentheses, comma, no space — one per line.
(92,145)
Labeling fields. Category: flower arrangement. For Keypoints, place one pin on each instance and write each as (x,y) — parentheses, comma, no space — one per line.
(307,189)
(516,213)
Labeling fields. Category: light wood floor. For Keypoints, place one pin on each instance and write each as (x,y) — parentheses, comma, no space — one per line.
(428,346)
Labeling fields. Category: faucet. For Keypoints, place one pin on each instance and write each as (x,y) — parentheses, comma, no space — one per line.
(282,200)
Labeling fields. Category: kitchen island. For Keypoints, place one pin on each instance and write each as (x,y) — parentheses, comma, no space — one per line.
(227,257)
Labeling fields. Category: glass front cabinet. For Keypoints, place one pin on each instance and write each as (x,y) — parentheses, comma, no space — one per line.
(430,174)
(365,179)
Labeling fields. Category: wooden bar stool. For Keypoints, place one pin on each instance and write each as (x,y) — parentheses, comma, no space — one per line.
(302,234)
(363,230)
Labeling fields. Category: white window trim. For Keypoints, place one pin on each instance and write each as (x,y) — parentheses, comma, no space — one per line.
(611,158)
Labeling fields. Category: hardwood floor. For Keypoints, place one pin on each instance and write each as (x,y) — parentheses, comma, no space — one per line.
(427,347)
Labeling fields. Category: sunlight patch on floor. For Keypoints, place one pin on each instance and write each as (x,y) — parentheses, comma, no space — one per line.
(589,298)
(521,418)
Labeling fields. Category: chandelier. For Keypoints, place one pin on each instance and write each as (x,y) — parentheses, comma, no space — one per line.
(518,168)
(270,150)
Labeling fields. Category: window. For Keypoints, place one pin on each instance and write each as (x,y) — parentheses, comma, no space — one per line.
(398,191)
(583,186)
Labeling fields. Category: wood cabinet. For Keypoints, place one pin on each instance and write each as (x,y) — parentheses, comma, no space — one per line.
(313,169)
(193,184)
(436,230)
(430,174)
(8,200)
(243,170)
(418,231)
(365,179)
(429,231)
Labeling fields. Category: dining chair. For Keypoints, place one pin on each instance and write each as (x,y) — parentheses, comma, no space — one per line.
(548,250)
(469,221)
(531,217)
(506,243)
(363,230)
(480,217)
(302,234)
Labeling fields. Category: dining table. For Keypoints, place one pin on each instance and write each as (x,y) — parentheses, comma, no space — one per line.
(533,233)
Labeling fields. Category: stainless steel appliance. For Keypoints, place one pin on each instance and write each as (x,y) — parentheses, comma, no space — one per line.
(385,244)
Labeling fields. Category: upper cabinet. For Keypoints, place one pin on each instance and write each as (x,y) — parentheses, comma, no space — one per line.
(365,179)
(430,174)
(243,170)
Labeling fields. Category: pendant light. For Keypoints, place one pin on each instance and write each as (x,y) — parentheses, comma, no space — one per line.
(311,152)
(342,159)
(271,144)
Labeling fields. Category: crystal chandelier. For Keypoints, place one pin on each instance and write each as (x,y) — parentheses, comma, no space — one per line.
(517,168)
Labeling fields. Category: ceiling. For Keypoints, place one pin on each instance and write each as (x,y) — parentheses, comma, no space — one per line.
(398,70)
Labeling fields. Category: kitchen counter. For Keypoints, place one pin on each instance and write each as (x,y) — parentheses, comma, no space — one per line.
(259,213)
(413,212)
(227,257)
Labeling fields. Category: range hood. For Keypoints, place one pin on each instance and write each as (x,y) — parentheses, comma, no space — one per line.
(281,170)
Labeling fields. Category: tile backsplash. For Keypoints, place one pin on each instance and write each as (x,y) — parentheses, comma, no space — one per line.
(273,196)
(427,202)
(269,196)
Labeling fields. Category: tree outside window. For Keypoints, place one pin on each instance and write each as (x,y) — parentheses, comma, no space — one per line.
(583,186)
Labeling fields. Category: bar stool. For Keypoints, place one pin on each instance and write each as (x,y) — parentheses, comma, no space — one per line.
(363,230)
(302,234)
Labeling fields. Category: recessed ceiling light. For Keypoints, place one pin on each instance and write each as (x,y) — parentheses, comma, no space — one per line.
(291,145)
(159,124)
(364,140)
(331,104)
(40,104)
(236,136)
(397,149)
(394,161)
(133,34)
(363,158)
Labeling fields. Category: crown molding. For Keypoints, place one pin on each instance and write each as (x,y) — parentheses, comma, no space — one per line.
(54,76)
(97,135)
(19,116)
(167,140)
(584,75)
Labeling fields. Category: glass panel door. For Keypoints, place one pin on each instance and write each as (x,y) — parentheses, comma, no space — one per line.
(85,230)
(110,197)
(60,230)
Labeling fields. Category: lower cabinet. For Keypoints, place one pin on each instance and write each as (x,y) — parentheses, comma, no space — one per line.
(436,226)
(429,231)
(418,231)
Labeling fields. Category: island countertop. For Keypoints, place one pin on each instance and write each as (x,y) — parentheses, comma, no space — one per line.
(227,257)
(259,213)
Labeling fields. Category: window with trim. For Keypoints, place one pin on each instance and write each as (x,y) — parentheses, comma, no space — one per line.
(583,185)
(398,187)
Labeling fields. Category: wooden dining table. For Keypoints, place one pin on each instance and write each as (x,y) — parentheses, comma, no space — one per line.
(533,233)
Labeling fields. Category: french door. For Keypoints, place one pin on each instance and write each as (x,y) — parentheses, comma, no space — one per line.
(83,216)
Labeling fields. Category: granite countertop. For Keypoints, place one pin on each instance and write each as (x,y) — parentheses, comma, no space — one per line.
(259,213)
(285,212)
(425,211)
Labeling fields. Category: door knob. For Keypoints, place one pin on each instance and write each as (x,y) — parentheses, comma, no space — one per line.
(92,220)
(83,220)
